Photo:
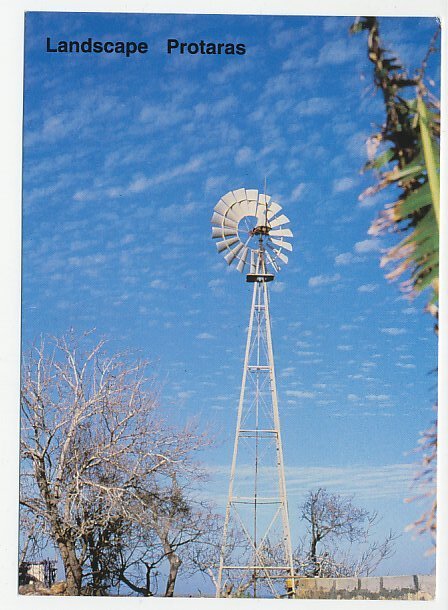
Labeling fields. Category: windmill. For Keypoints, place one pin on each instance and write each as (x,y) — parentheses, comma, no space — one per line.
(256,553)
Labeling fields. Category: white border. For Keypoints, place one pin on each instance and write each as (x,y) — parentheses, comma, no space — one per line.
(11,54)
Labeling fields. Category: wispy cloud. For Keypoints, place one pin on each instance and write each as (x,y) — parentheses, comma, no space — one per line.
(323,280)
(368,245)
(205,336)
(367,287)
(340,185)
(363,482)
(300,394)
(393,331)
(347,258)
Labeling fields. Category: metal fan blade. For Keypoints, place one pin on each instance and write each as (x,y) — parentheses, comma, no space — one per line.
(240,194)
(280,220)
(216,219)
(273,209)
(253,266)
(222,232)
(232,215)
(261,215)
(272,262)
(244,208)
(264,199)
(252,194)
(229,198)
(281,233)
(278,253)
(222,245)
(221,207)
(281,256)
(282,244)
(219,220)
(231,256)
(242,261)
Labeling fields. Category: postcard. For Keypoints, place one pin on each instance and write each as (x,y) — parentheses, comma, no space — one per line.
(230,291)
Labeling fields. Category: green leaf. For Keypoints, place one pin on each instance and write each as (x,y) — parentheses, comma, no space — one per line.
(421,284)
(415,201)
(431,161)
(381,160)
(411,170)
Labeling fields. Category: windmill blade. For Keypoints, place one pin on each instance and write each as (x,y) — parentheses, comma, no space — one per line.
(273,209)
(252,194)
(240,194)
(231,214)
(264,199)
(278,254)
(220,221)
(229,198)
(231,256)
(261,215)
(253,265)
(281,256)
(222,245)
(244,208)
(222,232)
(216,219)
(242,261)
(221,207)
(282,244)
(281,233)
(280,220)
(272,262)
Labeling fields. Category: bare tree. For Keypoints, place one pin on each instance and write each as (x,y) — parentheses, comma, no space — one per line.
(94,447)
(335,527)
(168,535)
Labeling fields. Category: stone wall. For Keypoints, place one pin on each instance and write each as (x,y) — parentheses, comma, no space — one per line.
(421,587)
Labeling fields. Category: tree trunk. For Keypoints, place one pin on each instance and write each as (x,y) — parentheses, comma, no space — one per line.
(175,563)
(72,568)
(313,556)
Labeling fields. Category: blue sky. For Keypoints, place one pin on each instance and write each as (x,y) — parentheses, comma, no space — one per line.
(124,160)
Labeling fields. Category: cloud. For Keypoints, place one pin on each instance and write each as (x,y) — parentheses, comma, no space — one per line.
(315,105)
(217,287)
(340,185)
(288,371)
(366,482)
(336,52)
(205,336)
(378,397)
(244,155)
(323,280)
(278,286)
(297,192)
(214,182)
(142,183)
(367,288)
(393,331)
(158,284)
(300,394)
(347,258)
(368,245)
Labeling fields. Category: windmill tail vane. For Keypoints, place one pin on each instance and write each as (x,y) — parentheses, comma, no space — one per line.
(256,552)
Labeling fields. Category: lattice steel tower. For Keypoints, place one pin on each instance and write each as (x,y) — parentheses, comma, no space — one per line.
(256,553)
